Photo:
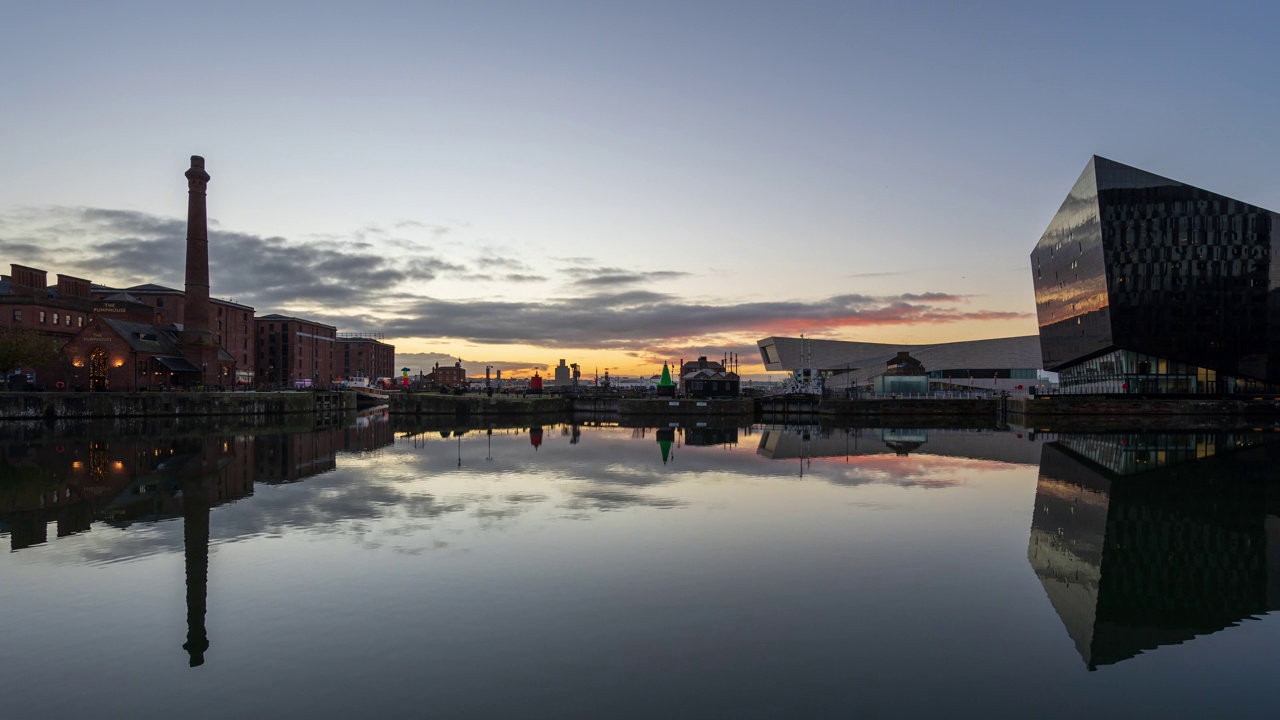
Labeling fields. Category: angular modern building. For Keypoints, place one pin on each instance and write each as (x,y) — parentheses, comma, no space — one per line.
(1145,284)
(1008,364)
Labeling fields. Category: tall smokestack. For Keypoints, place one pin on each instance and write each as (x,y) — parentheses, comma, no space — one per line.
(195,321)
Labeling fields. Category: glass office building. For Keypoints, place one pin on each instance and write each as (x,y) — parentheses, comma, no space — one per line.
(1145,284)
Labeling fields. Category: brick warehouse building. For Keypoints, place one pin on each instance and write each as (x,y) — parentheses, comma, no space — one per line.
(127,345)
(295,350)
(29,302)
(231,324)
(129,353)
(365,355)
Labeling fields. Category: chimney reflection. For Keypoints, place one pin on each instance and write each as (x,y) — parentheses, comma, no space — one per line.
(151,474)
(1146,540)
(195,541)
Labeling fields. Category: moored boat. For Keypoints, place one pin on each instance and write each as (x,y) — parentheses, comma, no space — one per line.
(367,395)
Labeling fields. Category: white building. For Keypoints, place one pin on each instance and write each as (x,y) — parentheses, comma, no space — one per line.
(1013,364)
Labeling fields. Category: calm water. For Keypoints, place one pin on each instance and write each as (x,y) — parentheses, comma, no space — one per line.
(595,571)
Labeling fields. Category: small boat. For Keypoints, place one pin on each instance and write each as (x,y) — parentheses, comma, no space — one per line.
(367,395)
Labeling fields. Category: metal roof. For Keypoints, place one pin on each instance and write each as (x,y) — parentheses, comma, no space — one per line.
(994,353)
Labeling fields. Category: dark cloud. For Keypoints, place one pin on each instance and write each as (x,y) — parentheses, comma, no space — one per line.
(638,320)
(270,273)
(493,260)
(588,276)
(747,353)
(353,284)
(426,361)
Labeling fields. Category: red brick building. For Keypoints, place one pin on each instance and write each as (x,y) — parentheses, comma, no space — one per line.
(126,355)
(447,377)
(232,323)
(27,301)
(294,350)
(365,356)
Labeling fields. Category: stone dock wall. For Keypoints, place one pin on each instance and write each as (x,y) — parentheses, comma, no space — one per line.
(911,406)
(467,405)
(1080,405)
(656,407)
(64,405)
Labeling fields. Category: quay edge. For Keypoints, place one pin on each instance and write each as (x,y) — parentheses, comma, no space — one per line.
(67,405)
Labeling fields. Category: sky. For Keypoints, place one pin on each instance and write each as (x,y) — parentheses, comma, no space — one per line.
(615,184)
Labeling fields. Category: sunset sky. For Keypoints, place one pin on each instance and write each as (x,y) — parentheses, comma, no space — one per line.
(616,184)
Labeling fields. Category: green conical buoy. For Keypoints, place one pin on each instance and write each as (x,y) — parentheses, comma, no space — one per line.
(666,377)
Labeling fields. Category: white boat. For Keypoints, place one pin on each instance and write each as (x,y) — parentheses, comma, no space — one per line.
(366,393)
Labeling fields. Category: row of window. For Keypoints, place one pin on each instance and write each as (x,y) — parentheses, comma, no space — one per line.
(58,318)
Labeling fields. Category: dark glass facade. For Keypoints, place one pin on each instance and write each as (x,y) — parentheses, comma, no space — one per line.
(1145,284)
(1138,542)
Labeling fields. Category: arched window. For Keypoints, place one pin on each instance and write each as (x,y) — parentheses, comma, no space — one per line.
(98,364)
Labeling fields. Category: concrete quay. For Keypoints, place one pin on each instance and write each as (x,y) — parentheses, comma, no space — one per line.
(78,405)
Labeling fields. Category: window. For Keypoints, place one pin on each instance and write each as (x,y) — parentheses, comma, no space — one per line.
(68,323)
(159,302)
(80,321)
(17,316)
(55,318)
(42,317)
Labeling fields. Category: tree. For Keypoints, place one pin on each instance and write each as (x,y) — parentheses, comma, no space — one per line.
(24,347)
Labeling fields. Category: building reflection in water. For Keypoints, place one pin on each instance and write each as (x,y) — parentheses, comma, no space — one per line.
(72,482)
(1146,540)
(814,441)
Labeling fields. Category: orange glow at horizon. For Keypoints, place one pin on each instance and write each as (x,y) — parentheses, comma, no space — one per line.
(522,360)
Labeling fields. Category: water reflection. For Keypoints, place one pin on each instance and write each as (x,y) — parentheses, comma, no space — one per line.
(145,474)
(613,534)
(1144,540)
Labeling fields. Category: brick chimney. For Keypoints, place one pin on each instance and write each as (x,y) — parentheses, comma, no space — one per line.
(195,320)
